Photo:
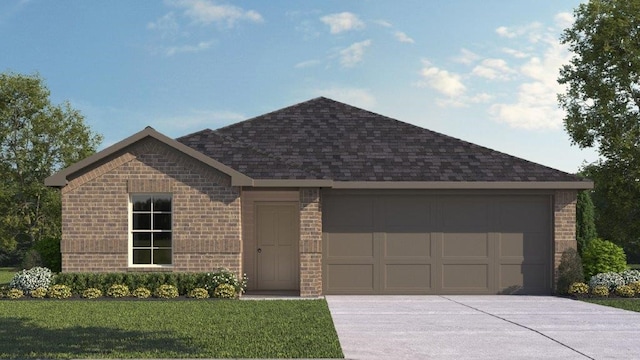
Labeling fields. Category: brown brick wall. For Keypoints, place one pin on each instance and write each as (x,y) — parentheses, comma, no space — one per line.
(206,211)
(564,232)
(310,243)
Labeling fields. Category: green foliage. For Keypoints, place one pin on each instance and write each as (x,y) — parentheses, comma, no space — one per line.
(141,293)
(28,280)
(91,293)
(49,250)
(37,139)
(39,293)
(223,276)
(635,286)
(601,256)
(600,290)
(602,103)
(569,271)
(578,288)
(585,220)
(59,292)
(14,294)
(31,259)
(118,291)
(625,291)
(166,292)
(187,329)
(225,291)
(198,293)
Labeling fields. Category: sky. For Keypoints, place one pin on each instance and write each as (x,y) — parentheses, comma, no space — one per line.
(481,71)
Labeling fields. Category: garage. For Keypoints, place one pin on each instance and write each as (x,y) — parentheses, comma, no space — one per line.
(386,242)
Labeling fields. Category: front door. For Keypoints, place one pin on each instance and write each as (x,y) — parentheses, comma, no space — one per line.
(277,246)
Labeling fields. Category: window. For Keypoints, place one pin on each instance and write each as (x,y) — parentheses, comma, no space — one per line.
(151,229)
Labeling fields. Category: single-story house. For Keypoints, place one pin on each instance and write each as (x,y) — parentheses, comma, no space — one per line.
(322,198)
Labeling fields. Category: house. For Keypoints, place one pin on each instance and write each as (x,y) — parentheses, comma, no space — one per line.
(321,198)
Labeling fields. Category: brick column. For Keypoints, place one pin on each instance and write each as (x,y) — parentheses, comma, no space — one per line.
(564,232)
(310,242)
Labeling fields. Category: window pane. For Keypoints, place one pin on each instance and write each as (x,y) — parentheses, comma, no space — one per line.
(141,256)
(162,221)
(141,239)
(162,256)
(162,203)
(162,239)
(141,221)
(141,202)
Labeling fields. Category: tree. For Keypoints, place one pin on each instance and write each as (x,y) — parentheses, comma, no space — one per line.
(602,103)
(37,139)
(585,220)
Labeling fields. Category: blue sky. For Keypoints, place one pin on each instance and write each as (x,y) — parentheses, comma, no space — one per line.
(483,71)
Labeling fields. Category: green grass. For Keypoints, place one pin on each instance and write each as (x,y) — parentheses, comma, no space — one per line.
(627,304)
(65,329)
(6,274)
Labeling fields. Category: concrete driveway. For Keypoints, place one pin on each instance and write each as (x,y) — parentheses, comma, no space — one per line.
(482,327)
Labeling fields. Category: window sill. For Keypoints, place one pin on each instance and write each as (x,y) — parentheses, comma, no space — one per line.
(143,268)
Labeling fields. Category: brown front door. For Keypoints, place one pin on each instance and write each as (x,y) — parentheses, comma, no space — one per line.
(277,246)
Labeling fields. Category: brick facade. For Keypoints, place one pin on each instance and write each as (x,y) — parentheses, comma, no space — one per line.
(564,232)
(95,211)
(310,242)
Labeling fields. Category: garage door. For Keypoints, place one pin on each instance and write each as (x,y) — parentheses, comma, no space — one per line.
(424,244)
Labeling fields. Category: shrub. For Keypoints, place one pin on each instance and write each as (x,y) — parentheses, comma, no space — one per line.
(600,290)
(578,288)
(601,256)
(625,291)
(49,250)
(31,259)
(630,276)
(225,291)
(39,293)
(59,292)
(166,292)
(198,293)
(569,270)
(610,279)
(224,276)
(635,286)
(141,293)
(28,280)
(15,294)
(118,291)
(91,293)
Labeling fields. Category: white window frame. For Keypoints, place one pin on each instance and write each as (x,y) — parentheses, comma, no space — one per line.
(131,231)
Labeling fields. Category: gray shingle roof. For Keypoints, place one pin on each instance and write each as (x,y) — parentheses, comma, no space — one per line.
(325,139)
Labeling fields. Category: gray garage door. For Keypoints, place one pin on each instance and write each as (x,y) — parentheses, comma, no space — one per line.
(384,243)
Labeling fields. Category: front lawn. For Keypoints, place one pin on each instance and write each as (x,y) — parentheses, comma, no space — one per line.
(627,304)
(6,274)
(159,329)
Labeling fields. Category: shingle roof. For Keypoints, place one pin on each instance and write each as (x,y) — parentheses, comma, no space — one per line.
(325,139)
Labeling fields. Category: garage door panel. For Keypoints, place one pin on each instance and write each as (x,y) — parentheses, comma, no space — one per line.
(407,277)
(527,215)
(462,215)
(350,245)
(406,214)
(532,277)
(407,244)
(534,245)
(465,245)
(350,278)
(465,276)
(351,213)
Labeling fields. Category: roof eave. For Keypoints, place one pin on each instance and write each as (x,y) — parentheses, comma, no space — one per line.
(60,178)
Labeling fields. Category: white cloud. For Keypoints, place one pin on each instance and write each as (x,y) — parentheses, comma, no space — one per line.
(342,22)
(355,96)
(383,23)
(307,64)
(201,46)
(533,30)
(353,54)
(493,69)
(564,20)
(466,57)
(505,32)
(207,12)
(444,82)
(536,105)
(515,53)
(402,37)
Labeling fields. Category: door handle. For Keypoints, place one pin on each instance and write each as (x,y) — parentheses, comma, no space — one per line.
(259,250)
